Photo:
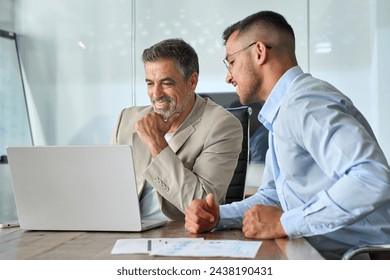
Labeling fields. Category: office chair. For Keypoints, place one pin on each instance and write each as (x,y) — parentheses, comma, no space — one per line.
(376,252)
(258,133)
(236,188)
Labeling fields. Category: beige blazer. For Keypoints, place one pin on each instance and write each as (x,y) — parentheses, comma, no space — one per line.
(200,159)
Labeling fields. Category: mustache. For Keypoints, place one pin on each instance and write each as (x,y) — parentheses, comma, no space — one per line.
(162,99)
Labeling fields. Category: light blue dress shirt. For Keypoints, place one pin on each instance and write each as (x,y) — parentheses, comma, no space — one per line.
(324,167)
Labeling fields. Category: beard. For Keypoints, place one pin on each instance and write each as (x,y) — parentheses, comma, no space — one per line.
(166,111)
(171,107)
(248,93)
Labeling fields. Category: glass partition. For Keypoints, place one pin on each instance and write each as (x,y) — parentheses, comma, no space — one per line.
(14,121)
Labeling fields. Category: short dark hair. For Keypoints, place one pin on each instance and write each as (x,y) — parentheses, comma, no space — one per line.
(178,50)
(264,18)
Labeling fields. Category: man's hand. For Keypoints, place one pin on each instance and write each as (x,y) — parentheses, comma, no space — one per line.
(152,129)
(202,215)
(263,222)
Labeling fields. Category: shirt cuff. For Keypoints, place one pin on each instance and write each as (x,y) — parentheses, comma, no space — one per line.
(294,223)
(229,217)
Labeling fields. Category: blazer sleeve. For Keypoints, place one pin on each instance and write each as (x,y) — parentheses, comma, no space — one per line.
(114,136)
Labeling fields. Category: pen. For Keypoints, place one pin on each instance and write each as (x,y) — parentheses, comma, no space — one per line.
(149,245)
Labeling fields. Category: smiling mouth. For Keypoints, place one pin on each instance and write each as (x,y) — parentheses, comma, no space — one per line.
(161,104)
(161,101)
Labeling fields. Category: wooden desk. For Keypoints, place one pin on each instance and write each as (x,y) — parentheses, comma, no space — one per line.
(47,245)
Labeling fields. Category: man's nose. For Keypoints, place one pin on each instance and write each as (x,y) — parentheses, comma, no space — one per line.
(158,92)
(228,78)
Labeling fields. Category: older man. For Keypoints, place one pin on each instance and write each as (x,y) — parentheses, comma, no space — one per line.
(184,146)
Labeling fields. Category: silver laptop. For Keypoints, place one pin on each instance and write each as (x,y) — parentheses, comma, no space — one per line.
(76,188)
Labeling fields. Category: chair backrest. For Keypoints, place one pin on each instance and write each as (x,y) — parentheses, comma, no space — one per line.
(236,188)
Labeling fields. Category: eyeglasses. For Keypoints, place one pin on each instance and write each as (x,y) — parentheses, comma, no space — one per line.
(228,64)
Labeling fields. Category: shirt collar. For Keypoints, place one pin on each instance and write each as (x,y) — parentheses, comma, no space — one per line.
(271,106)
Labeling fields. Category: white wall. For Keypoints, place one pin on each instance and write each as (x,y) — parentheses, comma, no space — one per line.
(380,77)
(201,23)
(349,42)
(7,15)
(77,61)
(79,56)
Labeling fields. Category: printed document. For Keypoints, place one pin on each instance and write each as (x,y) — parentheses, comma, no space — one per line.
(188,247)
(145,245)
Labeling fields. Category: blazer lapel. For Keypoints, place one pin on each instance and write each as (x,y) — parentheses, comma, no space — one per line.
(180,138)
(189,125)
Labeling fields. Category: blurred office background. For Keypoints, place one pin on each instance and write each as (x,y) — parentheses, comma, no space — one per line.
(81,59)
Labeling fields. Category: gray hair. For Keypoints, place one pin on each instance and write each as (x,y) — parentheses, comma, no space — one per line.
(177,50)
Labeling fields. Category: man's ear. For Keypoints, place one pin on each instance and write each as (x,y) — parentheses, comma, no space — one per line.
(262,52)
(193,80)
